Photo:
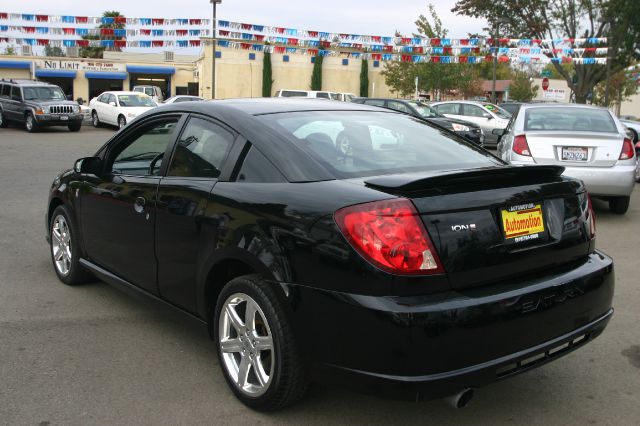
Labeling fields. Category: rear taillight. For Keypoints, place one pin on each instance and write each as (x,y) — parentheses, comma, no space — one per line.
(591,218)
(520,146)
(390,235)
(627,150)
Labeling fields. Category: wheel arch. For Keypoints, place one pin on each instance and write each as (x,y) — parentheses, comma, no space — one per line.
(53,204)
(220,270)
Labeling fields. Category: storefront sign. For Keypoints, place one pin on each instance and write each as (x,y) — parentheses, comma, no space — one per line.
(556,94)
(52,64)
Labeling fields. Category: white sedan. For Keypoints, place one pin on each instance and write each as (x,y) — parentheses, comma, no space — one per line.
(119,108)
(182,98)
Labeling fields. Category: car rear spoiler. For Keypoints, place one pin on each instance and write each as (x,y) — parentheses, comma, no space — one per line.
(411,182)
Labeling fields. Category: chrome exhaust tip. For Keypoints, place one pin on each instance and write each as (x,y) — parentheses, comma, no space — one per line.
(461,399)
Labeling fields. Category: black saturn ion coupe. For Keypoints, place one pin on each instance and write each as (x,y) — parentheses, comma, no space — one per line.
(412,264)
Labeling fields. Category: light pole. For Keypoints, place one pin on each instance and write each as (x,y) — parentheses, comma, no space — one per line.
(496,46)
(214,39)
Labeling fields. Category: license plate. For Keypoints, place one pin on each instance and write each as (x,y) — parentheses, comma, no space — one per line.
(573,153)
(523,223)
(64,117)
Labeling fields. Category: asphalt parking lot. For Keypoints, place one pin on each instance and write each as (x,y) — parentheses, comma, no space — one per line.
(93,355)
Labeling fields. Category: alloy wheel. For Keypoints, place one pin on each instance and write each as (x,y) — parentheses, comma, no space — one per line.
(121,122)
(29,122)
(1,119)
(246,344)
(95,120)
(61,244)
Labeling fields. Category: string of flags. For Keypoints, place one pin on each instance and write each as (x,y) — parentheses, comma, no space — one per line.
(80,31)
(94,20)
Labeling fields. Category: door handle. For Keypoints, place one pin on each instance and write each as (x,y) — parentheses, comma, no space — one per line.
(139,204)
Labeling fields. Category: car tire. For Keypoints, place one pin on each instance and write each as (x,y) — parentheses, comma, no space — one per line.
(95,120)
(30,123)
(3,120)
(65,249)
(285,381)
(75,127)
(121,121)
(619,205)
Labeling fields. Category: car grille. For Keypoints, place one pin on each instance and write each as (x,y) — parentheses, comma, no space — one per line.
(61,109)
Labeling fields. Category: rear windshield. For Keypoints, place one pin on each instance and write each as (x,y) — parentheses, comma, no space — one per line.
(357,143)
(569,119)
(292,94)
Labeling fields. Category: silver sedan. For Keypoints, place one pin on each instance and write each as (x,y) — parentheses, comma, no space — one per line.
(589,142)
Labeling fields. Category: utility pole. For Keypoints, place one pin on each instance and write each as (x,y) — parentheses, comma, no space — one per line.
(496,47)
(215,41)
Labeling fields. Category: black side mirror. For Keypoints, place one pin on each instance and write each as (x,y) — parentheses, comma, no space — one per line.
(88,165)
(499,132)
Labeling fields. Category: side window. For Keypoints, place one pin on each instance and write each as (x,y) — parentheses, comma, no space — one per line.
(448,109)
(322,95)
(375,102)
(142,156)
(103,98)
(15,94)
(2,86)
(201,150)
(111,98)
(473,111)
(293,94)
(6,91)
(257,169)
(398,106)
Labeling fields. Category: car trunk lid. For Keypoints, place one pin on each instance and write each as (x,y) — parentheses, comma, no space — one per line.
(463,213)
(565,148)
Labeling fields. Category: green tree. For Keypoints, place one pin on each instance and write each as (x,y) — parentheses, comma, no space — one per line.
(10,50)
(615,19)
(267,80)
(364,78)
(432,77)
(522,88)
(316,75)
(97,52)
(621,87)
(53,51)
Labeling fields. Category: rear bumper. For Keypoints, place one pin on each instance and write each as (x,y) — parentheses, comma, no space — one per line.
(600,181)
(606,181)
(433,346)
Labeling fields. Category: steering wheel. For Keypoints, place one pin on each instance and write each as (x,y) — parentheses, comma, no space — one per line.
(152,165)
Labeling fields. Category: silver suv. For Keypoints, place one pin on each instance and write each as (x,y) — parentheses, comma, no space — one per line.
(486,115)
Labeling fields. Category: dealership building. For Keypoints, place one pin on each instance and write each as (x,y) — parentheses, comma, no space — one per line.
(238,73)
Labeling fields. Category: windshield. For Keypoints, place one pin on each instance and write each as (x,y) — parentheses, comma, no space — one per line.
(135,101)
(424,110)
(149,91)
(43,93)
(358,143)
(569,119)
(498,111)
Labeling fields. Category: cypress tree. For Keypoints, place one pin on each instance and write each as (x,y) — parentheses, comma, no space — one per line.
(364,79)
(316,75)
(267,81)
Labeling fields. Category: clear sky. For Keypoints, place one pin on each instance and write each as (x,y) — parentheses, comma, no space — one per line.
(372,17)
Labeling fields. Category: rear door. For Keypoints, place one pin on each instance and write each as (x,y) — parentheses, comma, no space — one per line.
(482,118)
(184,233)
(450,109)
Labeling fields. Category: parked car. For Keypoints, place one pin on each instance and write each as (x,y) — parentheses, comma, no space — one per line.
(288,93)
(119,108)
(37,104)
(634,128)
(182,98)
(154,92)
(466,129)
(345,97)
(589,142)
(486,115)
(379,269)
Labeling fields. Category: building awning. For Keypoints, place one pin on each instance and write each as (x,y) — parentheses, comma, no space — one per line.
(106,75)
(145,69)
(56,73)
(15,64)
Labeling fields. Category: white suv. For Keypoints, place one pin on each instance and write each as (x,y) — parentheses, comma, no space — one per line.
(316,94)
